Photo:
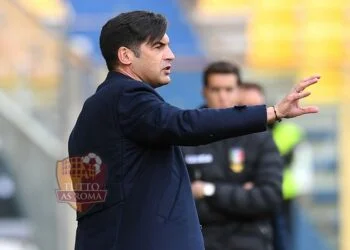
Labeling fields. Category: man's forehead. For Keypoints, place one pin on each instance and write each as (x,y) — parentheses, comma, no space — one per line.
(223,78)
(165,39)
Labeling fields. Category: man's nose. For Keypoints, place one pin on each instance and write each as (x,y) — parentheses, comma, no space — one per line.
(169,55)
(222,94)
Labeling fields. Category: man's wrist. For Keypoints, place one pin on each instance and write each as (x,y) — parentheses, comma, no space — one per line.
(208,189)
(273,115)
(271,118)
(277,117)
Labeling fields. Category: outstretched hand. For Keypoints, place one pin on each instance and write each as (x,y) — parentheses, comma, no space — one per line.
(289,106)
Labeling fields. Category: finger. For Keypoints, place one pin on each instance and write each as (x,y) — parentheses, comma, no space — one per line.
(298,96)
(304,84)
(310,109)
(311,77)
(304,94)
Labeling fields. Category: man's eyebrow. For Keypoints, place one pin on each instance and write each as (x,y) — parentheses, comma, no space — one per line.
(158,43)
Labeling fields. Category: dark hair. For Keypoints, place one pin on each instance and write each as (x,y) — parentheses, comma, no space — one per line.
(252,86)
(221,67)
(130,29)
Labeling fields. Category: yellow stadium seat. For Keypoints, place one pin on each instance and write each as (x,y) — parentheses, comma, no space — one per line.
(347,55)
(271,55)
(273,4)
(283,16)
(325,4)
(345,90)
(323,15)
(323,47)
(329,52)
(323,43)
(216,7)
(271,34)
(46,9)
(271,45)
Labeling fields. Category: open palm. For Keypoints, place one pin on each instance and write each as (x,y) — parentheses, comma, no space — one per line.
(289,106)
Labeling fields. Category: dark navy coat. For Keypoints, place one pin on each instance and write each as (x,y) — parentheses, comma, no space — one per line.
(149,204)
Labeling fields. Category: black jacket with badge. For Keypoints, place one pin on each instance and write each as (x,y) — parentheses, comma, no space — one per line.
(233,217)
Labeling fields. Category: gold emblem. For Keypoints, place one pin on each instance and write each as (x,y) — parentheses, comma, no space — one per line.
(237,168)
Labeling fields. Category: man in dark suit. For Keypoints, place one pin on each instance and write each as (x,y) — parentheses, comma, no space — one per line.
(149,204)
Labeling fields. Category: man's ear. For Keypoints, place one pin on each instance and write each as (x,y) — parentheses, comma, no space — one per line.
(125,55)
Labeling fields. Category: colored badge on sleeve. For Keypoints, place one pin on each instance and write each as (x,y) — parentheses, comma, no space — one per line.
(237,157)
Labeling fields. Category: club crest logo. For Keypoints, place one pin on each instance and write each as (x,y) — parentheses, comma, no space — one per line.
(237,157)
(81,181)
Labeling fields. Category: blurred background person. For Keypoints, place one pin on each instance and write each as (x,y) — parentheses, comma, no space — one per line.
(236,183)
(251,94)
(50,62)
(295,151)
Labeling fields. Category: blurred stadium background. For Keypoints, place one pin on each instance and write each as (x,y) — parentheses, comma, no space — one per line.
(50,62)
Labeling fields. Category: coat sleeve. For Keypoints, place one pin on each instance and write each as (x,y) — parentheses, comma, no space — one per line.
(145,118)
(265,197)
